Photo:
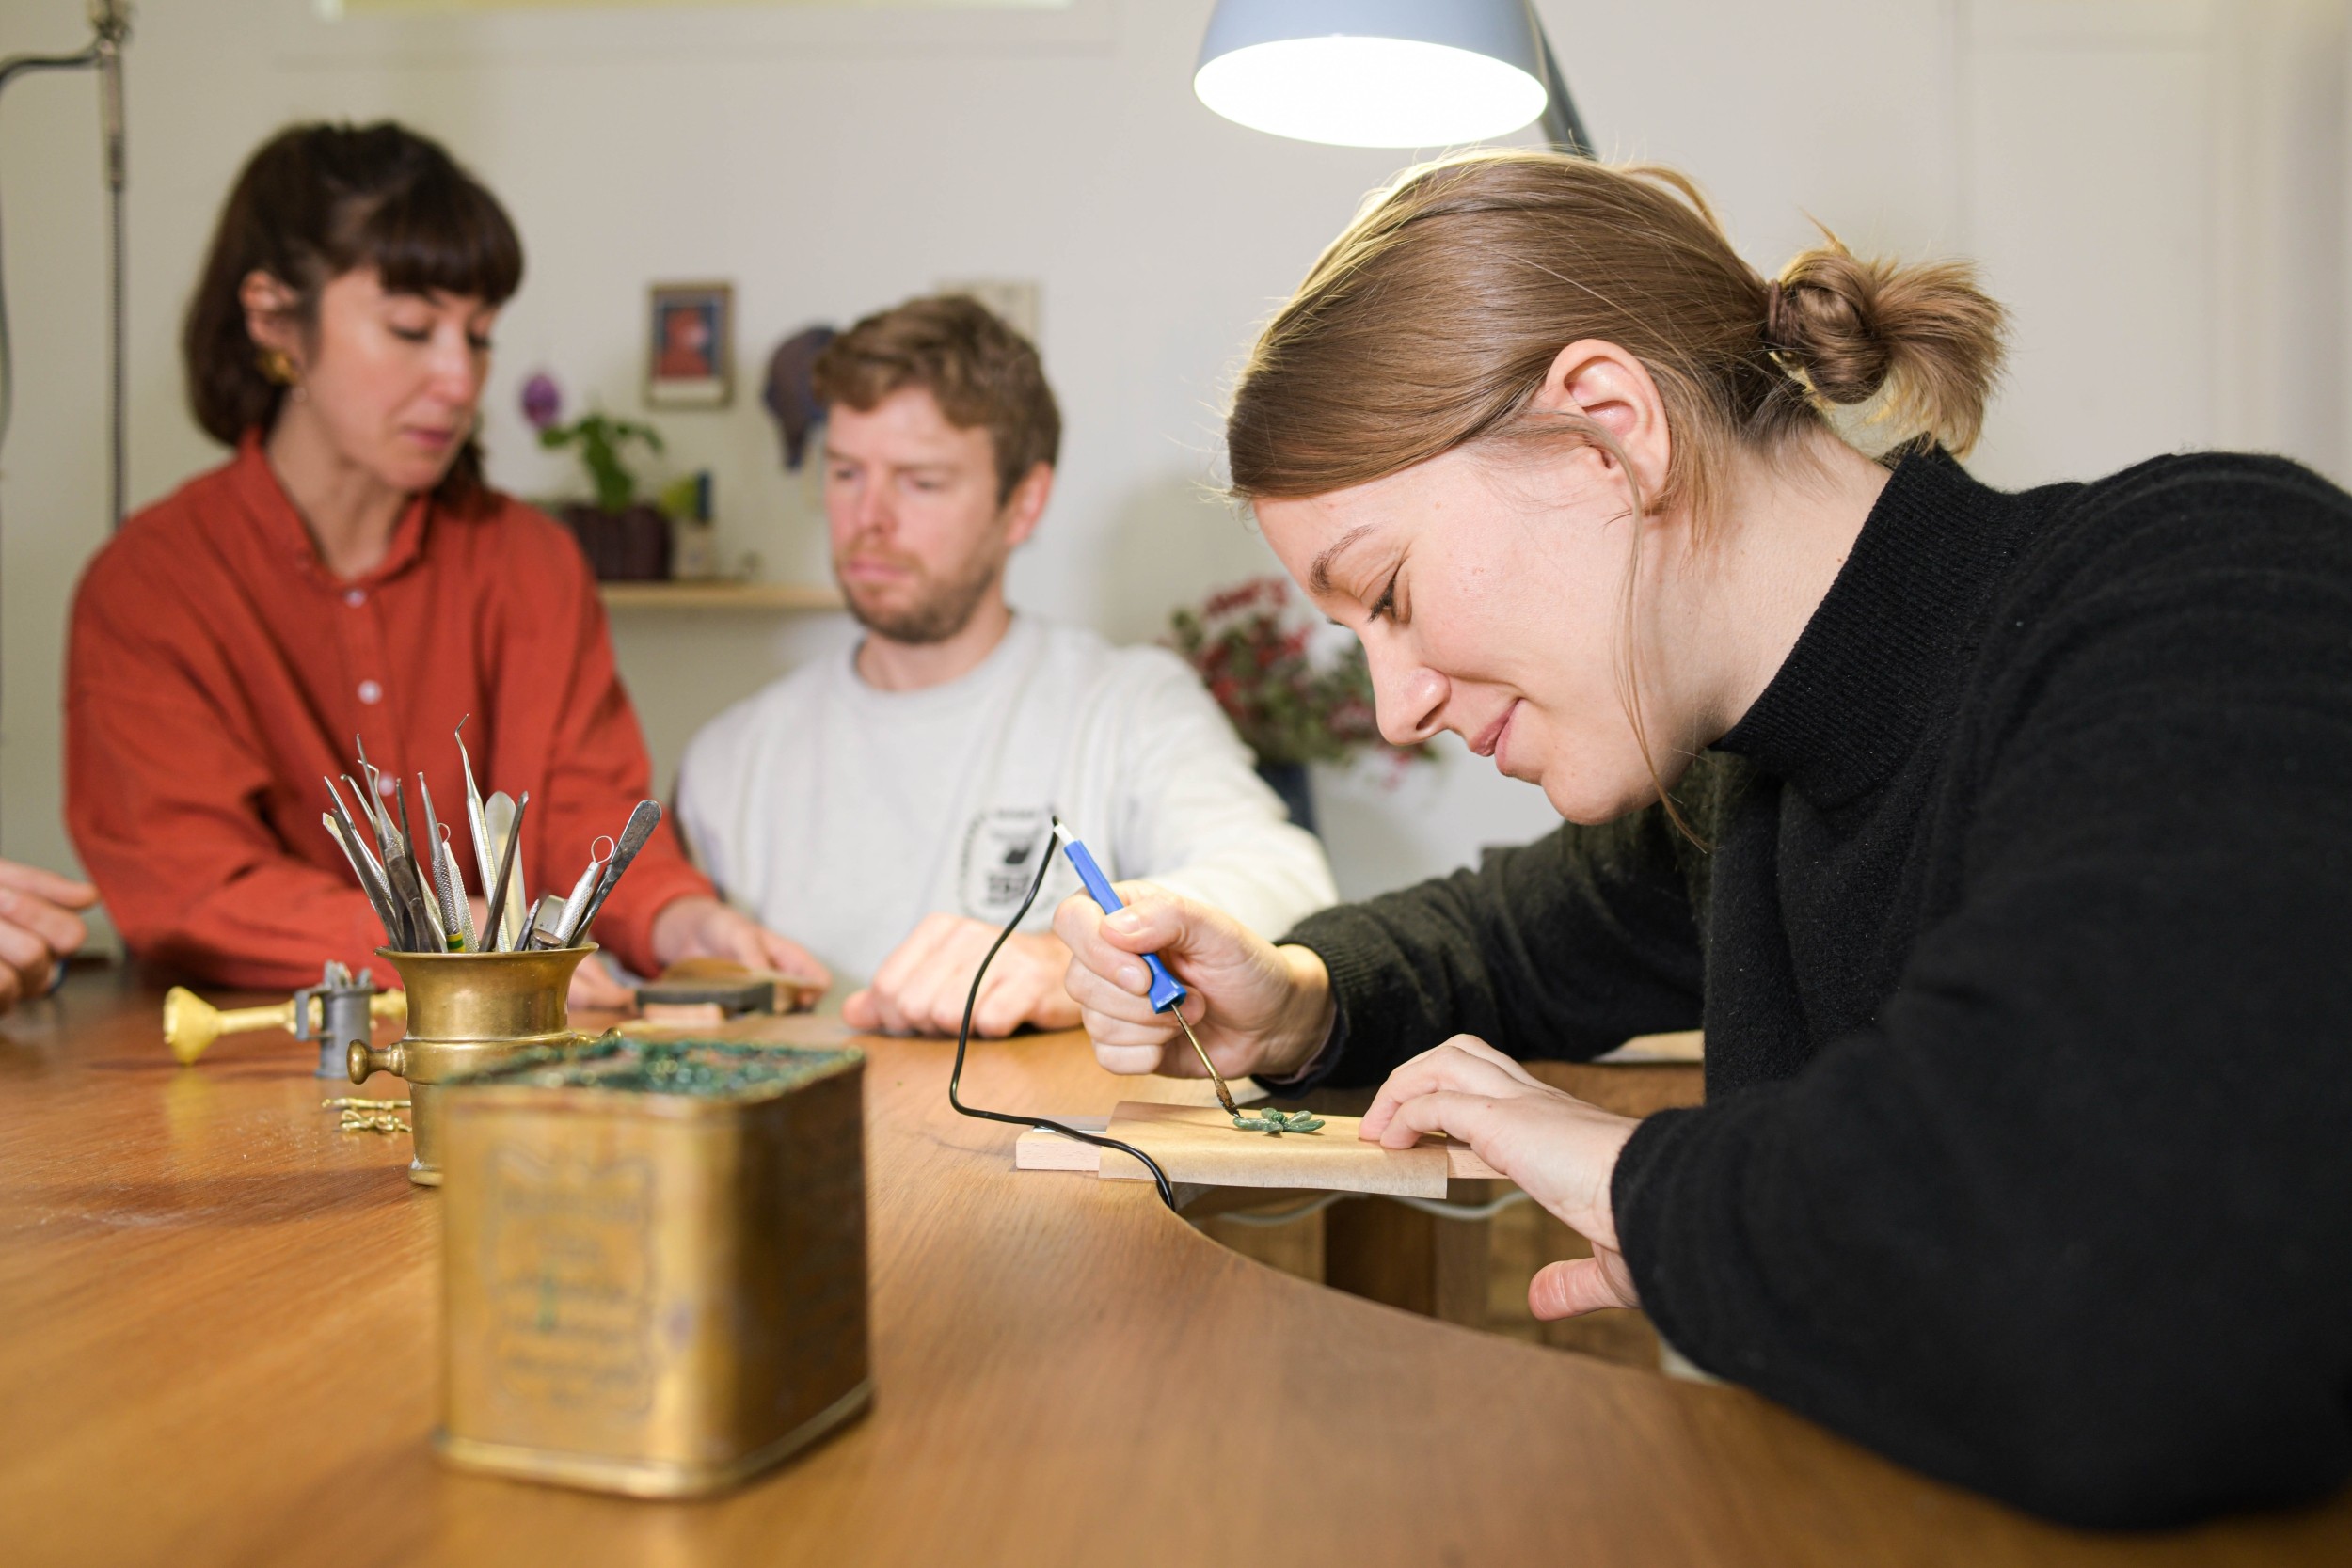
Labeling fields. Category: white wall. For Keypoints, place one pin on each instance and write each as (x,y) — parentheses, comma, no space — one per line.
(2155,185)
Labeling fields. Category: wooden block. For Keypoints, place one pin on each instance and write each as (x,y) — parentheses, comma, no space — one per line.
(1197,1144)
(1041,1150)
(681,1015)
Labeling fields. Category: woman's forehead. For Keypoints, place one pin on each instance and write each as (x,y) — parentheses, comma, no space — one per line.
(1324,530)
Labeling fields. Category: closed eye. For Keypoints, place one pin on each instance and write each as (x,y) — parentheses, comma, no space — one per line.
(1384,606)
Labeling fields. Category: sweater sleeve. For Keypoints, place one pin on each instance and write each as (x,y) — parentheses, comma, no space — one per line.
(164,782)
(2066,1223)
(1563,948)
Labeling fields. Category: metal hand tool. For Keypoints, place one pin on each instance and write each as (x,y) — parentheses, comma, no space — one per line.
(497,819)
(377,823)
(375,791)
(506,868)
(363,866)
(1167,992)
(546,921)
(564,933)
(423,928)
(461,909)
(359,840)
(427,903)
(641,822)
(448,897)
(477,821)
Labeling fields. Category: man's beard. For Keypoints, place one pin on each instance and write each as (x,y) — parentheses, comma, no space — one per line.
(943,608)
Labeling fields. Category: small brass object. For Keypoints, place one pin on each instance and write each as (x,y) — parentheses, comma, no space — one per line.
(191,1023)
(653,1263)
(468,1012)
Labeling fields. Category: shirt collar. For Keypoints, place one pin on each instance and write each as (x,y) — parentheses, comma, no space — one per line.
(1872,666)
(283,529)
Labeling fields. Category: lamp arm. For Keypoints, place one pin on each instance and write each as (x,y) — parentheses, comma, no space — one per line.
(1562,126)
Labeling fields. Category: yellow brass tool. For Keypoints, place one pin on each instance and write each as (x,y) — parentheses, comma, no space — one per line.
(191,1023)
(1224,1094)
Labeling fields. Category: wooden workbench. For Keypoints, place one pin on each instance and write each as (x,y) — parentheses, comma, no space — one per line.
(218,1346)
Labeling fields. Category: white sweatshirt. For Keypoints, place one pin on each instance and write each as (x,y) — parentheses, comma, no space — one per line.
(840,814)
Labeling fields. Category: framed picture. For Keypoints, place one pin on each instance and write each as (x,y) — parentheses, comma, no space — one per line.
(689,354)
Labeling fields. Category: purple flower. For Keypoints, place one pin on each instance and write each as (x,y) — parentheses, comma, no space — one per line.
(542,401)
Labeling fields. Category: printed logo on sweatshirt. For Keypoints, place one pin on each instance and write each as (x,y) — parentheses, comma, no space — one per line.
(1000,850)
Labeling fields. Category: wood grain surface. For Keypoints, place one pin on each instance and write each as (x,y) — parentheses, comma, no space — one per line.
(220,1347)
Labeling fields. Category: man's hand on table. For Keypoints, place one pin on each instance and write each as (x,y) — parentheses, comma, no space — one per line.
(1559,1149)
(38,929)
(920,989)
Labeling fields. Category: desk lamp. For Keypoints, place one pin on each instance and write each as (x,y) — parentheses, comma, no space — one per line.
(1386,73)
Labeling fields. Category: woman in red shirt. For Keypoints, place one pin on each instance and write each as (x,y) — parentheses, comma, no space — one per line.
(348,574)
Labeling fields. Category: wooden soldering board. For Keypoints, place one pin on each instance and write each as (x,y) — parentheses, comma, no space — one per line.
(1199,1143)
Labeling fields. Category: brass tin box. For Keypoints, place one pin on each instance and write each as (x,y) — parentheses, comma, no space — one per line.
(654,1264)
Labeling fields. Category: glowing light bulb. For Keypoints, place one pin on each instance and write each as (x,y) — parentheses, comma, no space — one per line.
(1357,91)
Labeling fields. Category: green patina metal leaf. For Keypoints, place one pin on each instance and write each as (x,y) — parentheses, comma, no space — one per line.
(1275,1122)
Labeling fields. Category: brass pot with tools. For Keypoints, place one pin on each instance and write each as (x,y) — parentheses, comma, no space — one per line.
(468,1013)
(479,993)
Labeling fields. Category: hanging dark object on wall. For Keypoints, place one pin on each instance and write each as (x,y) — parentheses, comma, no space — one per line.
(790,393)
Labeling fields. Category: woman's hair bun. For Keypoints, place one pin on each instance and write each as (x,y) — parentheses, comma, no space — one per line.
(1925,335)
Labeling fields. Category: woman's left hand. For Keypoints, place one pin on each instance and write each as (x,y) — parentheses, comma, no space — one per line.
(1561,1151)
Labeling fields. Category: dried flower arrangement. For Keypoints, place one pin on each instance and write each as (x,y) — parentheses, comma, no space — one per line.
(1293,697)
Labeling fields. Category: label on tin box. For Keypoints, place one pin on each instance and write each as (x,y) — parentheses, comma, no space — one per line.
(568,1249)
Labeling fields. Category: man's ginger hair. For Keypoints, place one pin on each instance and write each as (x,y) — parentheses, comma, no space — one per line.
(981,371)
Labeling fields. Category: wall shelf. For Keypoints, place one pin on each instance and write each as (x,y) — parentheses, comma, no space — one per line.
(779,597)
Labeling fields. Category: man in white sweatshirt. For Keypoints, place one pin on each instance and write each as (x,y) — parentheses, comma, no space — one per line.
(886,808)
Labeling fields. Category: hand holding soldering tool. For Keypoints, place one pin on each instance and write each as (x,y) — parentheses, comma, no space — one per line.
(1166,993)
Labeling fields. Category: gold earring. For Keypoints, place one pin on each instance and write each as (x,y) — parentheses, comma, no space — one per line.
(278,366)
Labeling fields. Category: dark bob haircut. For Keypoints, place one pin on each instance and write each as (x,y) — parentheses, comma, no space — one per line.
(317,201)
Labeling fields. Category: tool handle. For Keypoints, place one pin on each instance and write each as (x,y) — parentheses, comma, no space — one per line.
(1167,990)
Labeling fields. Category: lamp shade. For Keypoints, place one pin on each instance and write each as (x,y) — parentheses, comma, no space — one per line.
(1373,72)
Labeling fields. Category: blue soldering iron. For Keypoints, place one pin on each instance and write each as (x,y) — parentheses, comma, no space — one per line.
(1167,990)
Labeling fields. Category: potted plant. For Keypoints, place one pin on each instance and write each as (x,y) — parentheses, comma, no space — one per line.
(1295,698)
(626,539)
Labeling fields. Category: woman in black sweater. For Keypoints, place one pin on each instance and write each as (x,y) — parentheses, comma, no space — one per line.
(2001,843)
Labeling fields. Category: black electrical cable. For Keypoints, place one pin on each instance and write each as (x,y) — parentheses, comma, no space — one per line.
(963,1038)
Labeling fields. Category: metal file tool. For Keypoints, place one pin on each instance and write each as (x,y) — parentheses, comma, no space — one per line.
(1167,992)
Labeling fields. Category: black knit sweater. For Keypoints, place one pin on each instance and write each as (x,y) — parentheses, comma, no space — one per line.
(2026,967)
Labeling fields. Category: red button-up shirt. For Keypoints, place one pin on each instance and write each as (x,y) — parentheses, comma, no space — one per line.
(216,672)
